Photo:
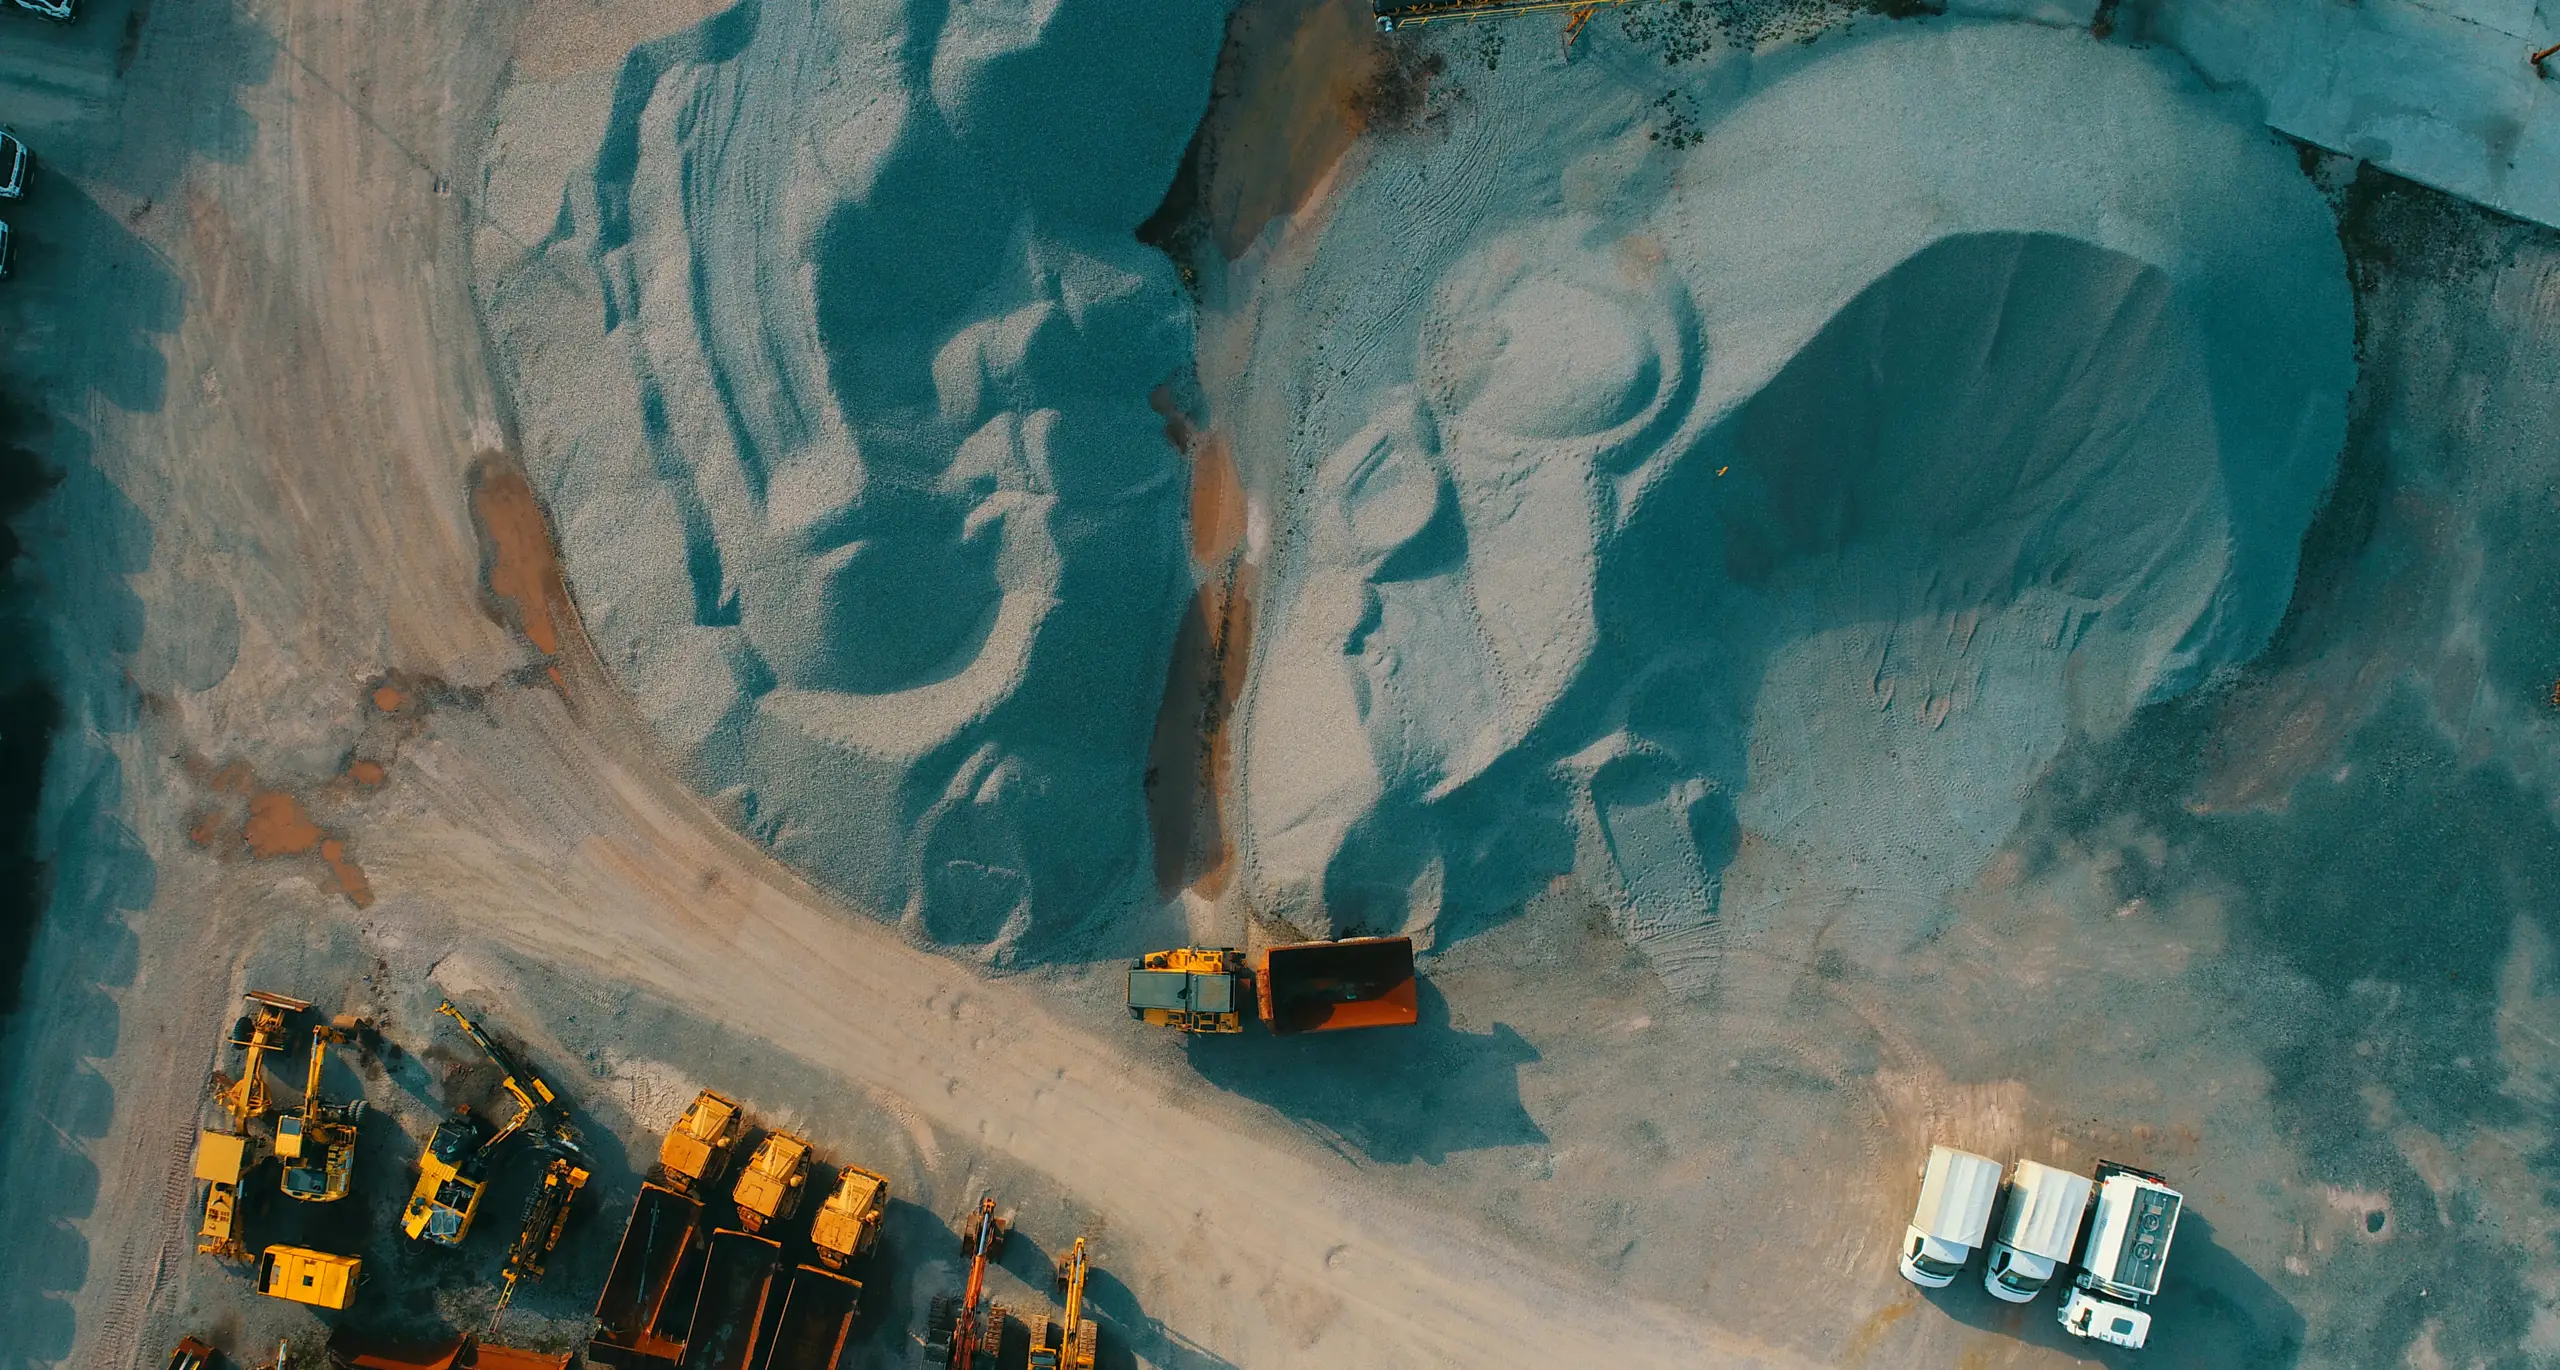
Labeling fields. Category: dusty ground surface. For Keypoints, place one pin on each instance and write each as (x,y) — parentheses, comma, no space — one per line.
(2291,944)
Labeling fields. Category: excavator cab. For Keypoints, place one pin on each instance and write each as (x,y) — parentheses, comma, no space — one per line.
(317,1142)
(1190,989)
(453,1170)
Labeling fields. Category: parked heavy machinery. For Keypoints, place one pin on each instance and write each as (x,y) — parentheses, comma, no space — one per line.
(697,1147)
(816,1321)
(959,1330)
(317,1142)
(848,1223)
(307,1276)
(453,1172)
(221,1159)
(546,1215)
(663,1239)
(1301,987)
(355,1352)
(1072,1342)
(768,1190)
(1190,989)
(191,1354)
(223,1156)
(728,1323)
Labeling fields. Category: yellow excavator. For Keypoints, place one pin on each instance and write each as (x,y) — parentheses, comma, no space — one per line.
(453,1172)
(317,1142)
(1072,1342)
(545,1215)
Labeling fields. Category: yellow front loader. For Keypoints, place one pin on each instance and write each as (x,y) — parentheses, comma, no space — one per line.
(769,1188)
(221,1159)
(696,1150)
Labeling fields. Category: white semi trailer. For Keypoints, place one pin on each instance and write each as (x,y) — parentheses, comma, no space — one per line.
(1956,1190)
(2122,1258)
(2038,1225)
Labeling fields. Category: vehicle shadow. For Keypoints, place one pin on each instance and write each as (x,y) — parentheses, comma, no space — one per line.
(2214,1312)
(1390,1095)
(1130,1336)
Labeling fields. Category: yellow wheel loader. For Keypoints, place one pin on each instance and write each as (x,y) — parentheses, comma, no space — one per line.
(696,1150)
(848,1223)
(768,1190)
(317,1142)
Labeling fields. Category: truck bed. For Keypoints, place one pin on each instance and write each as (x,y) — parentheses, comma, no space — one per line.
(817,1319)
(1329,986)
(665,1227)
(737,1279)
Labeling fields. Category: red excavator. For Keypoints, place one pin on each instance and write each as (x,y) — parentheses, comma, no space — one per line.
(957,1331)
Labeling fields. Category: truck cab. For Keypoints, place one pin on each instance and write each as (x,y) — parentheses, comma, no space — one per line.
(1956,1190)
(2131,1224)
(1189,989)
(768,1190)
(2038,1224)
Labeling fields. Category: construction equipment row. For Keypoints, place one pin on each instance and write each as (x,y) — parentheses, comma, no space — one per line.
(2120,1220)
(690,1292)
(316,1144)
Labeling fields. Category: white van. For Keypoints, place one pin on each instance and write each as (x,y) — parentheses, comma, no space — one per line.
(1956,1190)
(2038,1225)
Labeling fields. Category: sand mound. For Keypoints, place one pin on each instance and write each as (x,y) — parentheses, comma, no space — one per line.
(1753,522)
(835,373)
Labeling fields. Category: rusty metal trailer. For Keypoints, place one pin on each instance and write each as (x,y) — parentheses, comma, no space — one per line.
(648,1268)
(817,1320)
(728,1315)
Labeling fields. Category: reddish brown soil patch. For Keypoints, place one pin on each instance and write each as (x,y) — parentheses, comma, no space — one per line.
(368,774)
(388,699)
(1297,83)
(518,562)
(279,825)
(1188,762)
(351,881)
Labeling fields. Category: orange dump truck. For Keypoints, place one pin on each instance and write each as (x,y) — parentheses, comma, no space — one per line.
(1302,987)
(665,1229)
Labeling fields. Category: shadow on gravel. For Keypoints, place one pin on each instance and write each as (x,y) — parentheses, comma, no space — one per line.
(82,325)
(2213,1313)
(1391,1095)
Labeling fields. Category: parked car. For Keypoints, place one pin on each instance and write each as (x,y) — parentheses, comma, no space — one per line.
(50,9)
(15,163)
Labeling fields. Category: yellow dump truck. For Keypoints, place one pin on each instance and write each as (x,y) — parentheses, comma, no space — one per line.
(768,1190)
(697,1147)
(1302,987)
(848,1224)
(307,1276)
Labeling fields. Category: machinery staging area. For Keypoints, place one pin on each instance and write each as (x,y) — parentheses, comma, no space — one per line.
(1139,683)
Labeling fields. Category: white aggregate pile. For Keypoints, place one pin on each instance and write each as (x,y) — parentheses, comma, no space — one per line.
(834,372)
(1754,521)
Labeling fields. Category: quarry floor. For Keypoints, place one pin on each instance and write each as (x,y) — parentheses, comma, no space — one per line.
(331,730)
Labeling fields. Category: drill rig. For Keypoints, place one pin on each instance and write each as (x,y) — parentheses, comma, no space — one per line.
(957,1331)
(453,1172)
(1072,1342)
